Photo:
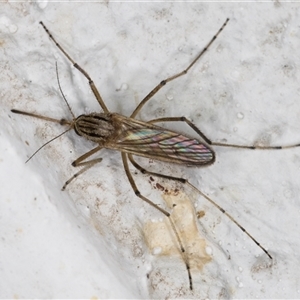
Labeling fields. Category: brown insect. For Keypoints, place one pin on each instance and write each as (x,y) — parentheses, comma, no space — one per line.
(133,137)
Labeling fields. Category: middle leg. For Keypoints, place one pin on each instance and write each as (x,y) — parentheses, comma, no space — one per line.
(167,214)
(164,82)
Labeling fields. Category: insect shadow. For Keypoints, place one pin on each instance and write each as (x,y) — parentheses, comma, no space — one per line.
(133,137)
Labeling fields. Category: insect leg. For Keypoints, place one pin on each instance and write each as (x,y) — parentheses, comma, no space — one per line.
(88,164)
(167,214)
(144,171)
(211,143)
(87,76)
(164,82)
(182,180)
(231,218)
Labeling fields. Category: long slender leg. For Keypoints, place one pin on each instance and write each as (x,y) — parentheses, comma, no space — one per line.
(164,82)
(167,214)
(209,142)
(87,76)
(88,164)
(144,171)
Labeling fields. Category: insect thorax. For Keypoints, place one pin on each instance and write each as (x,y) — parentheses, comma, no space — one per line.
(96,127)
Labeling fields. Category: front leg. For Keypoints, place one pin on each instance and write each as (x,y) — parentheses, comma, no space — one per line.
(79,162)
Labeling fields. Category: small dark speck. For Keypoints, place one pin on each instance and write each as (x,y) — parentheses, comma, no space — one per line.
(160,187)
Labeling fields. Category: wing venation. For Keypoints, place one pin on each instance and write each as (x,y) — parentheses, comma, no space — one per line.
(165,145)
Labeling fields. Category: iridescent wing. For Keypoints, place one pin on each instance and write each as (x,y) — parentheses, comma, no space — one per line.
(148,140)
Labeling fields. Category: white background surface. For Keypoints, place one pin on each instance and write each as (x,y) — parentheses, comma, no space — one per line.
(88,241)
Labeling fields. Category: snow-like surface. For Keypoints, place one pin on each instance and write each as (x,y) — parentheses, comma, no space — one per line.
(89,240)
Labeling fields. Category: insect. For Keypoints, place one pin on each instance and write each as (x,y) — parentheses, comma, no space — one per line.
(133,137)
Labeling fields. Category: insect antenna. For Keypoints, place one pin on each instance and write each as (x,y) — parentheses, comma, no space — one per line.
(47,144)
(62,93)
(61,121)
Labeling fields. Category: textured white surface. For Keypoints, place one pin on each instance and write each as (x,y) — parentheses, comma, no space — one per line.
(88,241)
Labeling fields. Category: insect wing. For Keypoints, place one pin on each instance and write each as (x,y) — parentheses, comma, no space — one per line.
(155,142)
